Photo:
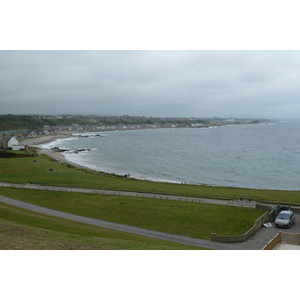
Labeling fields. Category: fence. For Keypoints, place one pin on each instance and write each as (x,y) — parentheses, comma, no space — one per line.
(290,238)
(38,185)
(12,131)
(124,190)
(248,198)
(281,202)
(274,242)
(283,238)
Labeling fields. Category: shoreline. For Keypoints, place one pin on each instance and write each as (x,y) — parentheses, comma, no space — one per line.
(36,142)
(42,140)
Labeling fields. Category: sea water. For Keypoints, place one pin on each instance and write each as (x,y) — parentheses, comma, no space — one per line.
(263,156)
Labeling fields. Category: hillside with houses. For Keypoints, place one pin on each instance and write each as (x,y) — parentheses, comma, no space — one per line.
(93,122)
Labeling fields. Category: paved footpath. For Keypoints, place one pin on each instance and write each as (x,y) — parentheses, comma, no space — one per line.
(255,242)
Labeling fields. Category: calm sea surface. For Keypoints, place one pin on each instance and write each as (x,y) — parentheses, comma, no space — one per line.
(254,156)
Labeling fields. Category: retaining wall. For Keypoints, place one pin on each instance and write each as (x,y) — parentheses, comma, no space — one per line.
(266,217)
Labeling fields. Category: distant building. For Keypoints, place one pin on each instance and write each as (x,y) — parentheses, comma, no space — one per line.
(76,127)
(230,120)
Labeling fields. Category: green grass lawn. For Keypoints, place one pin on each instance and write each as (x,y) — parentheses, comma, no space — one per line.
(185,218)
(26,230)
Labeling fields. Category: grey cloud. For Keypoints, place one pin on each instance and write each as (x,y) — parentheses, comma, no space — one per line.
(158,83)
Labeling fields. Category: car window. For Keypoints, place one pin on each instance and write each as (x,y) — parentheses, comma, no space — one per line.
(283,216)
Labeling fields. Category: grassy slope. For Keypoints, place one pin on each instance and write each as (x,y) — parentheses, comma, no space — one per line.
(22,229)
(185,218)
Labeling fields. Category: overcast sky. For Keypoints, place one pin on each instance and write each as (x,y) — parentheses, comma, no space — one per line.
(240,84)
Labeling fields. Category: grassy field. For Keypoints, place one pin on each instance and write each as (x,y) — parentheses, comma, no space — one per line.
(185,218)
(25,230)
(22,170)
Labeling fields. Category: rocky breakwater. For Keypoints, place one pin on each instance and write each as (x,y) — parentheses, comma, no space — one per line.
(88,136)
(59,150)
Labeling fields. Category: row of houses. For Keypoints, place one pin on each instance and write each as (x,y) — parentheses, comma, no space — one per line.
(100,127)
(8,141)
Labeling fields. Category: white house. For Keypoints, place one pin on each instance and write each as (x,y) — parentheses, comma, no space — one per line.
(14,144)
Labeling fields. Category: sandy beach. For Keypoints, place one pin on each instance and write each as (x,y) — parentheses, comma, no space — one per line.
(44,139)
(35,142)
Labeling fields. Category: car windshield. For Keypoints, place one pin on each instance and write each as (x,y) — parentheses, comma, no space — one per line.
(283,216)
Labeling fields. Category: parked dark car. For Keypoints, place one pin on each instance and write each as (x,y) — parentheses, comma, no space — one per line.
(278,208)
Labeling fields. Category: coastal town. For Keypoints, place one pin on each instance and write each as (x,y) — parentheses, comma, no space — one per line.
(41,125)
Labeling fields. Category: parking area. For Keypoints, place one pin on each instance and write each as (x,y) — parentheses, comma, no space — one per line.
(293,229)
(260,238)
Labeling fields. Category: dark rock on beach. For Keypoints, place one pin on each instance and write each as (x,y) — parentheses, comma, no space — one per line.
(88,136)
(56,149)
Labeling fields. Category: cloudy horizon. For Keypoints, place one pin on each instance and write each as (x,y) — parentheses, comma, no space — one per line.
(175,83)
